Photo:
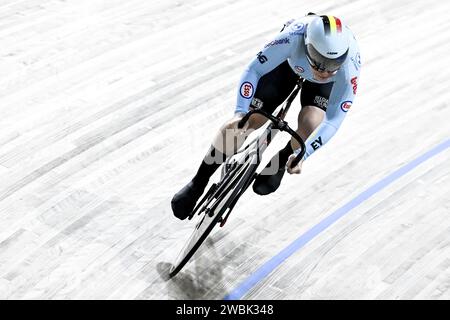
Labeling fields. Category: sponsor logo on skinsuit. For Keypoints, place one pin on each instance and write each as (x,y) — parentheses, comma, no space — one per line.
(257,103)
(356,61)
(321,102)
(277,42)
(246,90)
(345,106)
(299,69)
(297,29)
(261,58)
(316,144)
(298,26)
(354,83)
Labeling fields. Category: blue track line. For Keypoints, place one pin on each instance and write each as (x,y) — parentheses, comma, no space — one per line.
(301,241)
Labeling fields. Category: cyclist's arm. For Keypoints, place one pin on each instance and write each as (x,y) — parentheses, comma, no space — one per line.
(341,98)
(273,54)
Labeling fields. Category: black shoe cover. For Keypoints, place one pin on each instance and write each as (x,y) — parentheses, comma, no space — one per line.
(183,202)
(265,184)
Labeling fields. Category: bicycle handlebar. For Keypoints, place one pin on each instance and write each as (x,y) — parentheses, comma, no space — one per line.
(278,124)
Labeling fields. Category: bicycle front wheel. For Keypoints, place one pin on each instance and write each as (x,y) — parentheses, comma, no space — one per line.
(212,212)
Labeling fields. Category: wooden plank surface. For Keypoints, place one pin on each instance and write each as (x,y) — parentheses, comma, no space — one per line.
(106,109)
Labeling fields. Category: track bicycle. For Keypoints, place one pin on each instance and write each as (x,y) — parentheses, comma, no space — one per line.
(237,174)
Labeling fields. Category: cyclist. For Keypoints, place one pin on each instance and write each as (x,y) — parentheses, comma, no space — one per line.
(319,49)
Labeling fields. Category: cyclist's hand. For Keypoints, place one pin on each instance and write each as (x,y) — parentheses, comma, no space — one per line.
(297,169)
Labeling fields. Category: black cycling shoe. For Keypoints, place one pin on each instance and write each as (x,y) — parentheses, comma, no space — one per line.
(183,202)
(265,184)
(268,181)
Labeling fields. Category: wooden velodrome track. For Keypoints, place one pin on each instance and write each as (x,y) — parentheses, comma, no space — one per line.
(107,108)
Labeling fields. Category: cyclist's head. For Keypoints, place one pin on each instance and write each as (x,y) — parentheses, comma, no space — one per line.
(327,42)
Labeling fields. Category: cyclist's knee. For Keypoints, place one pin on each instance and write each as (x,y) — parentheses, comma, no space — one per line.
(230,138)
(256,121)
(232,124)
(309,118)
(253,123)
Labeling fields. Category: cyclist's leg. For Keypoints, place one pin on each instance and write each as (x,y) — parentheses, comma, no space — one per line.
(229,138)
(226,142)
(273,88)
(314,100)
